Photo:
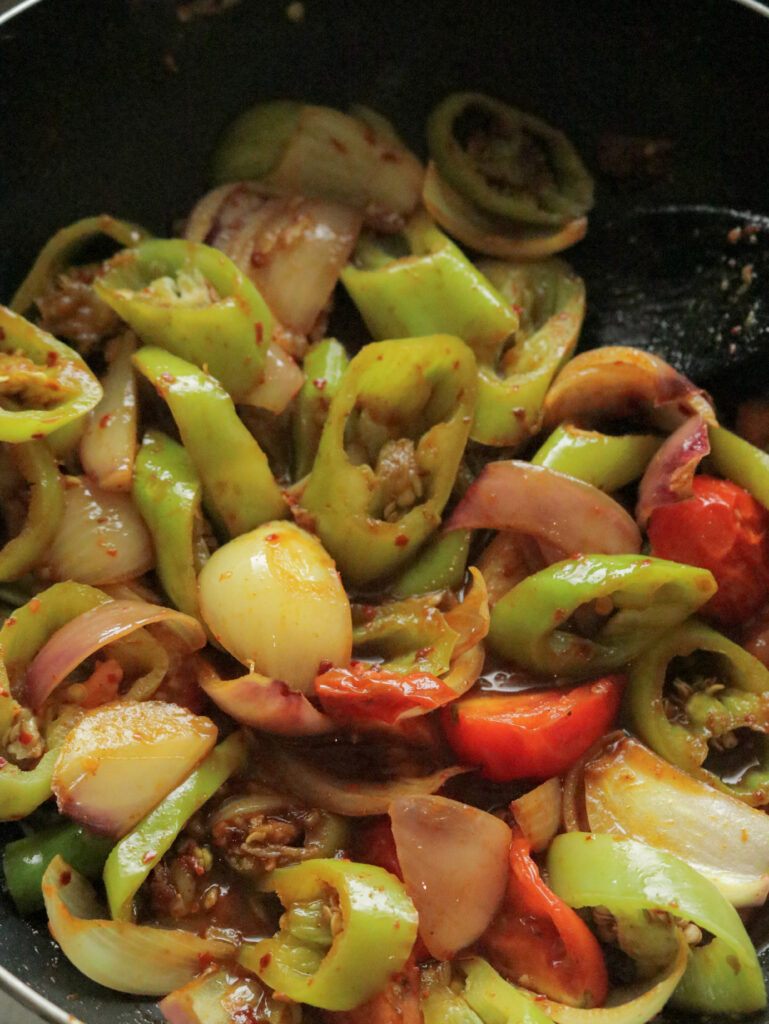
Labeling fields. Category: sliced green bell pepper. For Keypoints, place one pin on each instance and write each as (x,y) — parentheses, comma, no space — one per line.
(606,461)
(192,301)
(239,490)
(440,565)
(167,492)
(324,367)
(21,792)
(136,854)
(410,635)
(44,384)
(347,929)
(625,876)
(39,470)
(678,718)
(25,860)
(741,462)
(640,597)
(389,452)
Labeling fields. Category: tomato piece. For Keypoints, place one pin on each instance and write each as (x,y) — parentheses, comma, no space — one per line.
(538,941)
(362,693)
(399,1003)
(724,529)
(534,734)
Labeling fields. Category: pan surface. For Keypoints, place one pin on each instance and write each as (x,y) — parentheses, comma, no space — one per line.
(114,107)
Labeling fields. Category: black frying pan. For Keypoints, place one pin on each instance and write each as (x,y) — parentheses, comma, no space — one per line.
(113,106)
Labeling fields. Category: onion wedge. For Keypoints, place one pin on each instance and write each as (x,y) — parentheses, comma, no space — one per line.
(630,791)
(454,859)
(126,957)
(572,516)
(668,477)
(89,632)
(108,446)
(618,382)
(538,813)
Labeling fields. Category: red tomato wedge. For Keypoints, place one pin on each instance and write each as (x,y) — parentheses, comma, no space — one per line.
(362,693)
(536,940)
(722,528)
(534,734)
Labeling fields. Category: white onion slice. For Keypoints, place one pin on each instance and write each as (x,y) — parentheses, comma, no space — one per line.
(630,791)
(569,514)
(101,539)
(125,957)
(108,446)
(282,380)
(619,381)
(89,632)
(669,475)
(454,860)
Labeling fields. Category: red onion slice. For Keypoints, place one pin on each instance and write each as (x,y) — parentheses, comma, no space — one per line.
(89,632)
(569,514)
(668,477)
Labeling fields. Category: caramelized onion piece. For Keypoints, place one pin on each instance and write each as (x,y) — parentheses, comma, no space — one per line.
(454,859)
(668,477)
(538,813)
(567,513)
(622,382)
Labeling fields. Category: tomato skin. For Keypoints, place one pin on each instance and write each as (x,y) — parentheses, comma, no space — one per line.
(534,734)
(361,693)
(724,529)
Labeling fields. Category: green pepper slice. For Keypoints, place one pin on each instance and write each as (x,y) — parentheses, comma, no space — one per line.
(625,876)
(440,565)
(403,411)
(508,163)
(741,462)
(637,598)
(606,461)
(681,718)
(433,290)
(410,635)
(192,301)
(136,854)
(167,492)
(39,470)
(511,391)
(324,367)
(44,384)
(60,251)
(347,929)
(239,490)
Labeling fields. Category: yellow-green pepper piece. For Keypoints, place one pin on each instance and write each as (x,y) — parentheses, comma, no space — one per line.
(346,930)
(409,635)
(62,250)
(389,452)
(44,384)
(435,289)
(239,490)
(324,367)
(167,491)
(192,301)
(39,470)
(606,461)
(639,598)
(132,859)
(726,693)
(741,462)
(440,565)
(625,876)
(550,300)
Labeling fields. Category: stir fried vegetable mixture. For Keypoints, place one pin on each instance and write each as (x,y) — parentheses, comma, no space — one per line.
(417,674)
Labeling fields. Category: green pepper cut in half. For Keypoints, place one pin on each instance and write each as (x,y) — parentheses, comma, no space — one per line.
(324,367)
(606,461)
(239,490)
(508,163)
(347,928)
(633,598)
(626,877)
(435,289)
(550,299)
(704,710)
(167,492)
(38,469)
(132,859)
(64,248)
(44,384)
(192,301)
(389,452)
